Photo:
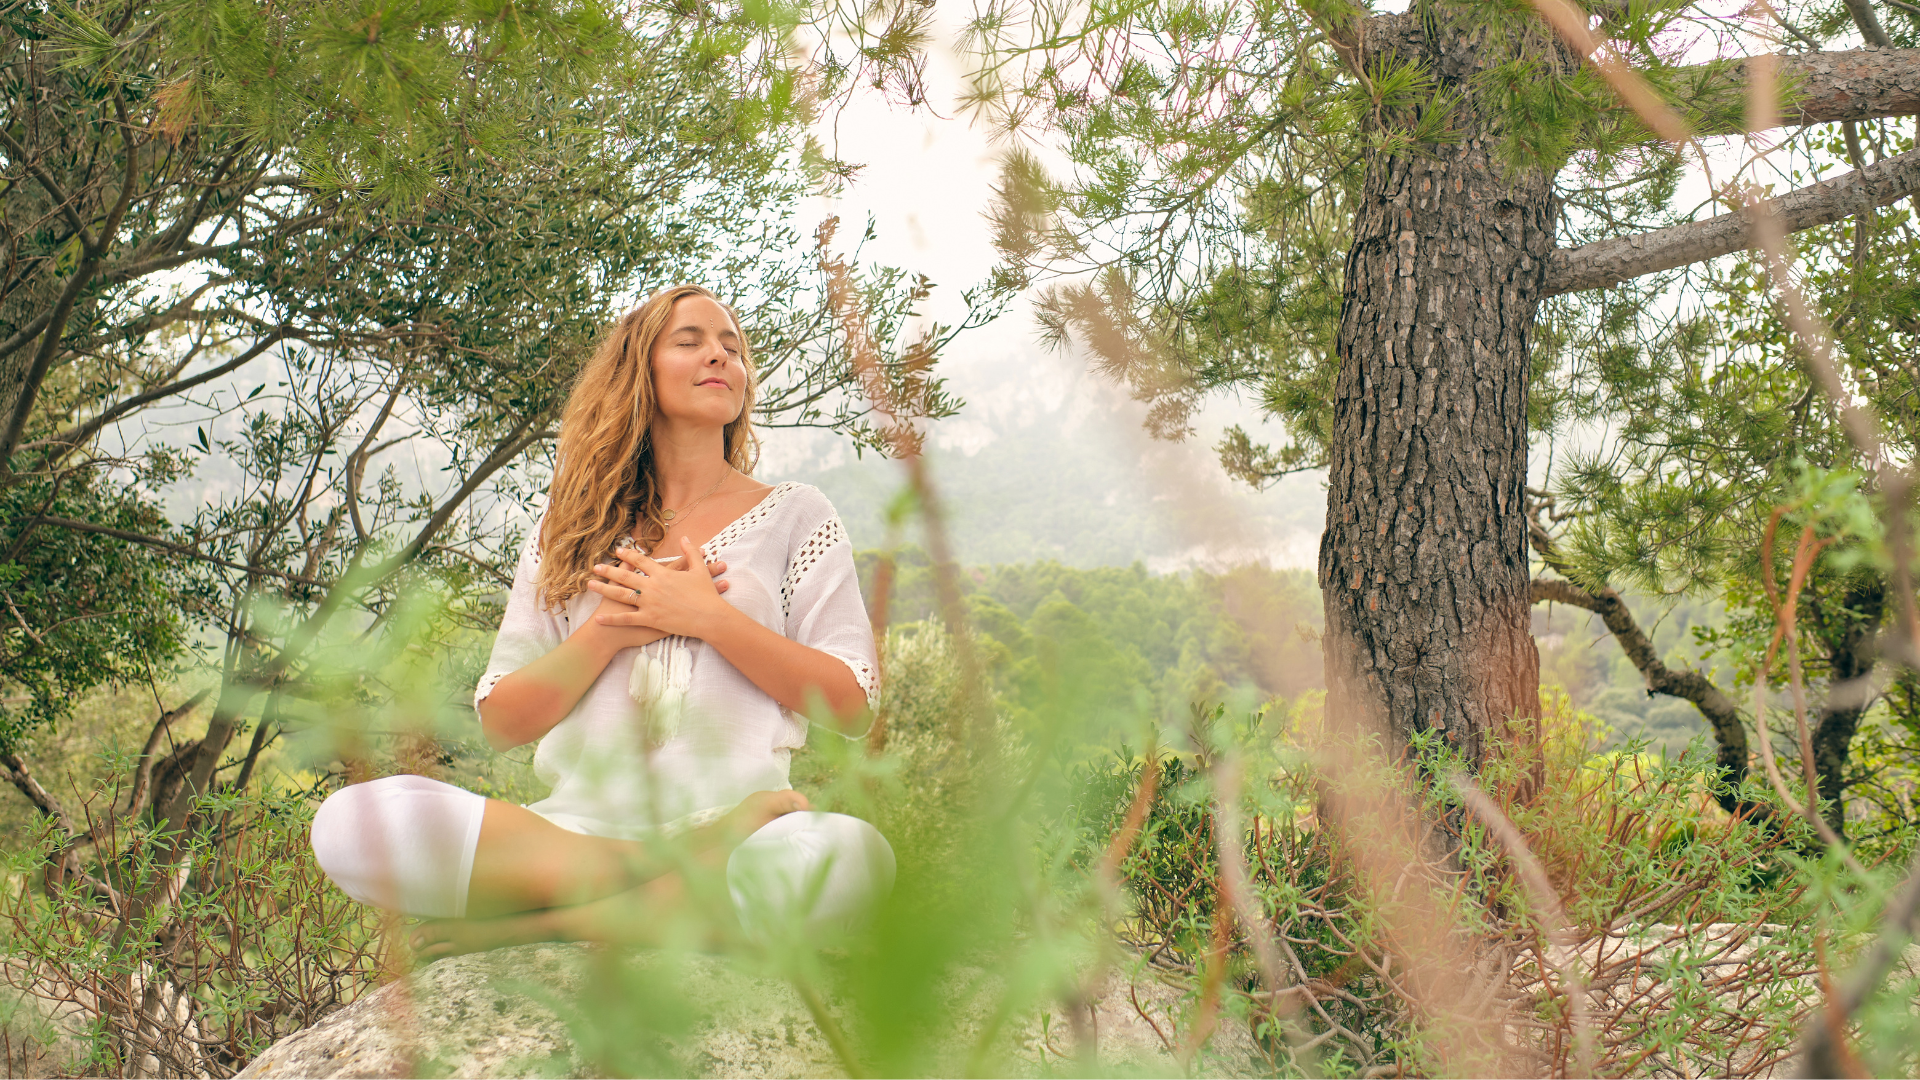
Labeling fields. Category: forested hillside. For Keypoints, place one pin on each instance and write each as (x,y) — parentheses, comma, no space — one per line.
(1125,632)
(1255,631)
(1060,479)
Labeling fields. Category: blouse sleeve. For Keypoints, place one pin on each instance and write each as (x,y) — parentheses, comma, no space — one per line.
(528,631)
(821,599)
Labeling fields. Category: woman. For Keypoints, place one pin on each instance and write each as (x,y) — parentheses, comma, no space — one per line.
(666,698)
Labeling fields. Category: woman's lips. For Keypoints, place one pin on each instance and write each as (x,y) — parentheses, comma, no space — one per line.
(721,383)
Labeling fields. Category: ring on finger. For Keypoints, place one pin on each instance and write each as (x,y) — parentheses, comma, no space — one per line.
(635,592)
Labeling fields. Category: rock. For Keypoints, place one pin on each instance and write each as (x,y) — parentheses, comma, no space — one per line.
(494,1015)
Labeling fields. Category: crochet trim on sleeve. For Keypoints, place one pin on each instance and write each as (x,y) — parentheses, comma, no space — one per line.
(487,683)
(866,675)
(829,533)
(531,549)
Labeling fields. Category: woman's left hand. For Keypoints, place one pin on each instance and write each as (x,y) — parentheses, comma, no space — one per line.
(663,597)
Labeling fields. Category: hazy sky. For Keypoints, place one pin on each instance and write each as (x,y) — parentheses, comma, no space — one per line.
(926,179)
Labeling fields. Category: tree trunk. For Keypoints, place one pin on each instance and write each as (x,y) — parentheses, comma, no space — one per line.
(1424,563)
(1850,659)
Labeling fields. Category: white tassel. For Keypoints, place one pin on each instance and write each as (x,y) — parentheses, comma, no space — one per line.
(661,675)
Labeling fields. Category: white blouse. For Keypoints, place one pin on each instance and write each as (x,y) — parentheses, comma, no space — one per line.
(673,729)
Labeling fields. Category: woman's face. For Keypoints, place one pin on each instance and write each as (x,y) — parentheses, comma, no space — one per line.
(699,377)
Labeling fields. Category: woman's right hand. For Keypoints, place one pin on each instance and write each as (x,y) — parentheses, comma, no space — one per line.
(527,704)
(615,638)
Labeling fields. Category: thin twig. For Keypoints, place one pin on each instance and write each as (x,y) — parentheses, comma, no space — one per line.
(1559,927)
(1234,881)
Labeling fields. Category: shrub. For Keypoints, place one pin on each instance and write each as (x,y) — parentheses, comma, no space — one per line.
(251,944)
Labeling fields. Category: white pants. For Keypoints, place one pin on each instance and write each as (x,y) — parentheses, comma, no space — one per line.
(406,843)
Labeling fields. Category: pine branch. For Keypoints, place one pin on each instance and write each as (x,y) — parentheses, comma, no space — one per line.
(1869,24)
(1827,87)
(1729,732)
(1608,262)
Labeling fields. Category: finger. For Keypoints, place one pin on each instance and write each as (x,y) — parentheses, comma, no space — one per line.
(692,553)
(717,567)
(618,575)
(619,594)
(629,617)
(628,576)
(647,566)
(722,586)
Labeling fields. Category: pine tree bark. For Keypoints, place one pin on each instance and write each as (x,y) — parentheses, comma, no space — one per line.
(1424,562)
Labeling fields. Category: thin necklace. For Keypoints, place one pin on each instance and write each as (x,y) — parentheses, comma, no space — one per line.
(667,515)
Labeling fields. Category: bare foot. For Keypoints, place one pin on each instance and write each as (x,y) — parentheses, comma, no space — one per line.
(756,810)
(711,844)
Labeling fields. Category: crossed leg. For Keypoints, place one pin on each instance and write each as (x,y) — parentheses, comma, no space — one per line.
(534,881)
(524,862)
(641,916)
(529,880)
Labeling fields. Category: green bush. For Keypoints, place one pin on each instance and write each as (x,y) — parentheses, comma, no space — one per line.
(255,944)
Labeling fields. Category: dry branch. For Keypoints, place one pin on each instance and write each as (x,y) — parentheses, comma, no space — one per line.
(1559,928)
(1822,1050)
(22,778)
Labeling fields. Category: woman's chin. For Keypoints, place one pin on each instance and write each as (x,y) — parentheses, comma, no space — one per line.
(701,418)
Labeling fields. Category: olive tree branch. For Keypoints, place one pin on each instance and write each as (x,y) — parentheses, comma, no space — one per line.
(80,433)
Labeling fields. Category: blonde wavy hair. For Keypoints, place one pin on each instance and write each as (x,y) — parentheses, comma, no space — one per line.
(604,487)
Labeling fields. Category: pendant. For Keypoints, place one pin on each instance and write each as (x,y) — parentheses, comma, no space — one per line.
(666,515)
